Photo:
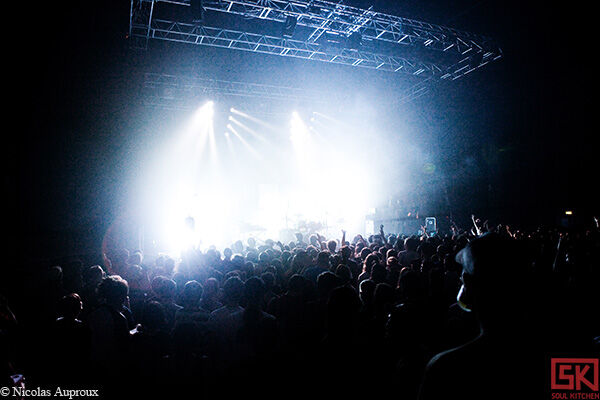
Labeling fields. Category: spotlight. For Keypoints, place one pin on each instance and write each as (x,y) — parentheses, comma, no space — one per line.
(197,10)
(227,134)
(569,212)
(232,109)
(289,26)
(230,118)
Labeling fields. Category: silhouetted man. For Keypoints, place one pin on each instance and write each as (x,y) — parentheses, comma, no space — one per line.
(503,361)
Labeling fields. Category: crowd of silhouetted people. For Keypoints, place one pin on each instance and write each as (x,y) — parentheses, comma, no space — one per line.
(467,314)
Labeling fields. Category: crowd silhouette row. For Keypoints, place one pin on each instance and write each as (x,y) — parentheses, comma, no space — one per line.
(468,314)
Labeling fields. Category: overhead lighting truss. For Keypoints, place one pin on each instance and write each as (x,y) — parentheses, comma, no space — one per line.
(391,43)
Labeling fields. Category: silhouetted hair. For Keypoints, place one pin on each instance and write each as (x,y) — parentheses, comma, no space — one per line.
(113,288)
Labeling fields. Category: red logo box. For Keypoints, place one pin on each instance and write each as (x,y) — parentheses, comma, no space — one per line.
(574,373)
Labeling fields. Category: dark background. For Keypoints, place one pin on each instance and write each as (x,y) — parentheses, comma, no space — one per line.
(514,139)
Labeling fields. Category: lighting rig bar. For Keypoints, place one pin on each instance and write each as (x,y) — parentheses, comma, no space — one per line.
(175,92)
(343,19)
(258,43)
(385,42)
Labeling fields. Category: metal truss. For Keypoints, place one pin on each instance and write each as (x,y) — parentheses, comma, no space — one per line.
(175,92)
(390,43)
(343,19)
(225,38)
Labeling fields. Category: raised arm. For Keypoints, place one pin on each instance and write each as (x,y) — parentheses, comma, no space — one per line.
(321,242)
(382,234)
(558,253)
(477,228)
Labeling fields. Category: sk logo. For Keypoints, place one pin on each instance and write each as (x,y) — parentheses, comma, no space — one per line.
(574,374)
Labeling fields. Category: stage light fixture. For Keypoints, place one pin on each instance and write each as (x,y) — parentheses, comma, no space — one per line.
(197,10)
(289,26)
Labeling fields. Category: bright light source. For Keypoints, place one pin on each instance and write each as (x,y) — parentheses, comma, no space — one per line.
(311,177)
(568,212)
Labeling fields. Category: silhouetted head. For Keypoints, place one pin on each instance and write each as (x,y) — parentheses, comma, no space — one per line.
(233,289)
(113,289)
(192,292)
(378,273)
(254,291)
(383,296)
(323,259)
(346,252)
(154,317)
(495,271)
(409,284)
(211,287)
(364,252)
(343,273)
(269,279)
(366,291)
(326,282)
(238,246)
(392,263)
(237,262)
(370,261)
(332,245)
(93,275)
(411,243)
(263,258)
(70,306)
(164,288)
(391,253)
